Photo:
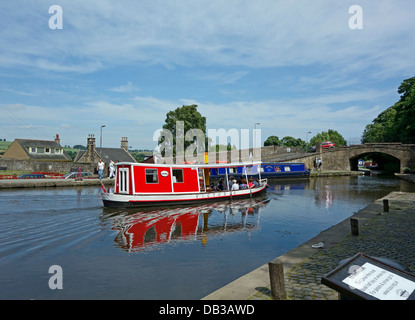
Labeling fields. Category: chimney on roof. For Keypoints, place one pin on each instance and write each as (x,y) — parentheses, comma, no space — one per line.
(57,139)
(90,148)
(124,143)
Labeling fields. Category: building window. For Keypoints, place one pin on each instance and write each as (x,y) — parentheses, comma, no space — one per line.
(40,150)
(52,150)
(47,150)
(178,175)
(32,149)
(152,176)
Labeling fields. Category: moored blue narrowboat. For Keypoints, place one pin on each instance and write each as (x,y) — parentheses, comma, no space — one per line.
(287,170)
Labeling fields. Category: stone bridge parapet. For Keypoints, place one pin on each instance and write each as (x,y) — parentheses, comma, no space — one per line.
(341,158)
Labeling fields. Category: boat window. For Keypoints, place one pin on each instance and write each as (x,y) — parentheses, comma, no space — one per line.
(277,168)
(151,176)
(287,168)
(177,175)
(232,170)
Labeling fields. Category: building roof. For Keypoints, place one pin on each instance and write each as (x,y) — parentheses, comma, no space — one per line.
(26,143)
(114,154)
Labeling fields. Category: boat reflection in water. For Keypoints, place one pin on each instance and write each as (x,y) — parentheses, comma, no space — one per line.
(148,230)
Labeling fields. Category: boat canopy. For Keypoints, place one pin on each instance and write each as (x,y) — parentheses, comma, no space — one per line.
(195,165)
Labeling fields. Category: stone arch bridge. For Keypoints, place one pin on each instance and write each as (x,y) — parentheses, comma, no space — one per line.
(345,158)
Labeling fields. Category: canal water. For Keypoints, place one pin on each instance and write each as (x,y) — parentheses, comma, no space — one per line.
(164,253)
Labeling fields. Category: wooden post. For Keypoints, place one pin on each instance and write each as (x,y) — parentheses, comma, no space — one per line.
(385,205)
(276,276)
(354,224)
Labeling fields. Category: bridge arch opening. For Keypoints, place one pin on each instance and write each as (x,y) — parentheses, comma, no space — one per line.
(383,162)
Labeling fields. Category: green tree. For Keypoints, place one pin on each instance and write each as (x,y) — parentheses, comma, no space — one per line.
(293,142)
(191,119)
(397,123)
(330,135)
(272,141)
(382,129)
(405,112)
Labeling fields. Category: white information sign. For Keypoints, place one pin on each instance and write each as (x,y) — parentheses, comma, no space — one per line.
(379,283)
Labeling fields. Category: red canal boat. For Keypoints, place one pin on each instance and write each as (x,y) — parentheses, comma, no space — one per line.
(145,184)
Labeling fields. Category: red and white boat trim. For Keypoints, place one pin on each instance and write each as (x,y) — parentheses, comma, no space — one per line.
(143,184)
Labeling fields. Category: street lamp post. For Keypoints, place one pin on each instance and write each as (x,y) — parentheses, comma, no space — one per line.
(255,133)
(100,142)
(306,145)
(254,153)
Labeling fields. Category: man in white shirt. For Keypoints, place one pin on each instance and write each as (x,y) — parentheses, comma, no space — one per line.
(235,185)
(112,169)
(100,168)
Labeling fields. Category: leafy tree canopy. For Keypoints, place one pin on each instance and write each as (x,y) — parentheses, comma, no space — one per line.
(330,135)
(191,119)
(293,142)
(286,141)
(397,123)
(272,141)
(189,115)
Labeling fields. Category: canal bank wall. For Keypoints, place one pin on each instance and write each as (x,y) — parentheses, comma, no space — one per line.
(44,183)
(407,177)
(326,173)
(381,234)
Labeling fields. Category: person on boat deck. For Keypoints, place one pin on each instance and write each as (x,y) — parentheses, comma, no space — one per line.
(112,169)
(230,182)
(255,182)
(250,183)
(240,181)
(235,185)
(221,185)
(243,185)
(100,168)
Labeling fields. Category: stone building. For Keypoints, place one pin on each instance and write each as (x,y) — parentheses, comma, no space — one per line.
(92,154)
(40,150)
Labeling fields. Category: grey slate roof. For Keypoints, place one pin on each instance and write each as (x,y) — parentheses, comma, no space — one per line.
(26,143)
(114,154)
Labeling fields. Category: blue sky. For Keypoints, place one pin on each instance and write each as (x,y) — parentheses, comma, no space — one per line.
(292,66)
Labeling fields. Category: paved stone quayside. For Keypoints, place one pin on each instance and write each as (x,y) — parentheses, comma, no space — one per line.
(385,234)
(382,234)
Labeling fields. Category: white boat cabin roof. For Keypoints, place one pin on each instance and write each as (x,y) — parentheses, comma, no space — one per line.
(199,166)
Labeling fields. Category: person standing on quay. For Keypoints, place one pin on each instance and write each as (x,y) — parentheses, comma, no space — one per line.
(112,169)
(100,168)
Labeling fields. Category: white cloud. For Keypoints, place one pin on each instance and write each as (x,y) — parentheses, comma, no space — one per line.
(97,34)
(294,66)
(128,87)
